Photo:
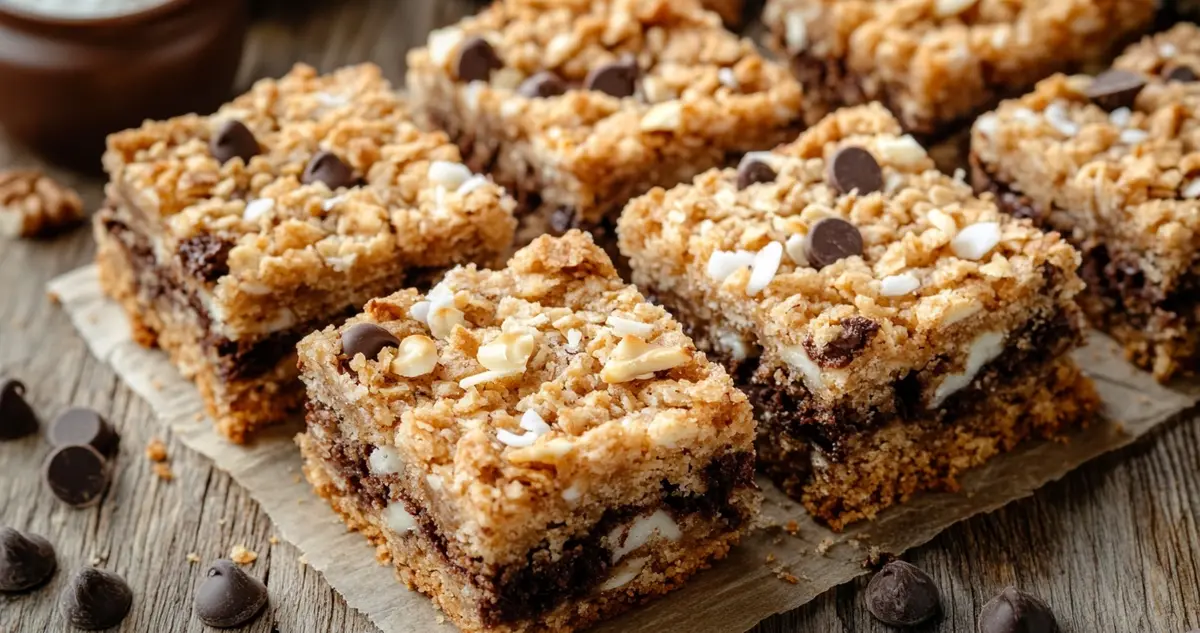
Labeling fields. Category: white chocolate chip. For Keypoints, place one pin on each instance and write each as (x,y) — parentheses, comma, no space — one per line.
(385,460)
(976,240)
(766,264)
(797,357)
(448,175)
(902,152)
(416,356)
(1121,116)
(485,377)
(728,79)
(1133,136)
(982,351)
(663,117)
(898,285)
(420,311)
(634,358)
(947,8)
(398,519)
(944,222)
(1025,115)
(330,100)
(622,326)
(625,573)
(574,338)
(255,209)
(626,539)
(987,124)
(329,203)
(508,352)
(795,32)
(722,264)
(1167,50)
(1056,114)
(795,250)
(736,345)
(1191,189)
(442,320)
(442,43)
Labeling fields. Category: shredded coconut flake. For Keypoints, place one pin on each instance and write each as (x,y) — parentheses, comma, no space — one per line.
(766,264)
(728,79)
(722,264)
(898,285)
(1191,190)
(1134,136)
(796,32)
(622,326)
(976,240)
(1120,117)
(574,338)
(471,184)
(1056,114)
(255,209)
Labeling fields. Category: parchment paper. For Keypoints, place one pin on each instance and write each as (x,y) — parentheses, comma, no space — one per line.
(730,598)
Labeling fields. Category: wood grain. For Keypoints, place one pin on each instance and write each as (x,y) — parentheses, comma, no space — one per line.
(1114,547)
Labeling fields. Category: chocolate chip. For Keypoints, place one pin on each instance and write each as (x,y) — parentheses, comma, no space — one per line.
(96,600)
(856,334)
(229,597)
(855,168)
(1114,89)
(753,171)
(84,426)
(326,167)
(476,60)
(1182,74)
(233,140)
(1014,611)
(831,239)
(205,256)
(367,339)
(26,560)
(77,474)
(542,85)
(902,595)
(617,79)
(17,418)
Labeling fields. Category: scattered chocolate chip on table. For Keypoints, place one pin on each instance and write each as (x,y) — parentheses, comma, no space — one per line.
(17,418)
(26,560)
(77,474)
(81,426)
(901,594)
(229,597)
(1015,611)
(95,599)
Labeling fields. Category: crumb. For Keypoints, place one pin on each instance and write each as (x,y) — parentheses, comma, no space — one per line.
(274,540)
(824,545)
(53,298)
(156,384)
(98,559)
(156,451)
(193,558)
(296,479)
(199,417)
(162,470)
(792,527)
(242,556)
(874,555)
(791,579)
(770,558)
(441,618)
(221,521)
(777,540)
(303,560)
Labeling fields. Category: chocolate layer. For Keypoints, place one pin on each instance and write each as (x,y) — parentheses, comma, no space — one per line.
(545,580)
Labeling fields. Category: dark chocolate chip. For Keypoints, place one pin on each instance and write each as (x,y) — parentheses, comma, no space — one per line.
(205,256)
(96,600)
(229,597)
(17,418)
(84,426)
(854,168)
(26,560)
(1114,89)
(542,85)
(831,239)
(77,474)
(233,140)
(1014,611)
(367,339)
(1182,74)
(753,171)
(476,60)
(902,595)
(617,79)
(326,167)
(856,334)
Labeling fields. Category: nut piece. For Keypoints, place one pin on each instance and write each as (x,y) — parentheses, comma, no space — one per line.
(634,358)
(416,356)
(33,205)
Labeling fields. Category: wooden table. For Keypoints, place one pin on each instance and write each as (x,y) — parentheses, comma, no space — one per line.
(1114,547)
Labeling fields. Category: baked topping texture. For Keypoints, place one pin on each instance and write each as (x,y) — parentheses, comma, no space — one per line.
(1119,178)
(934,62)
(943,277)
(522,404)
(696,90)
(256,235)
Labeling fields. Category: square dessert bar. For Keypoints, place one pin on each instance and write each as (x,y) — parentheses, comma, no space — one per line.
(576,106)
(1113,163)
(937,63)
(229,237)
(891,329)
(535,448)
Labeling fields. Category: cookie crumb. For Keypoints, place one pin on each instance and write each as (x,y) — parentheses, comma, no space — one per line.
(98,559)
(789,578)
(156,451)
(303,560)
(274,540)
(34,205)
(792,527)
(156,384)
(824,545)
(162,470)
(242,556)
(193,558)
(770,558)
(53,298)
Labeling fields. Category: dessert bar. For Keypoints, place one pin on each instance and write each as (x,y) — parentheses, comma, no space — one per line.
(891,328)
(575,106)
(229,237)
(1113,163)
(535,448)
(937,63)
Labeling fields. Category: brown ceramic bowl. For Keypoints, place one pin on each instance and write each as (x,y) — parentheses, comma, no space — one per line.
(70,81)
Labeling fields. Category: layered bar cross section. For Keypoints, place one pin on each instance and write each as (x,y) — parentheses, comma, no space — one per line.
(576,106)
(1116,169)
(229,237)
(891,328)
(536,448)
